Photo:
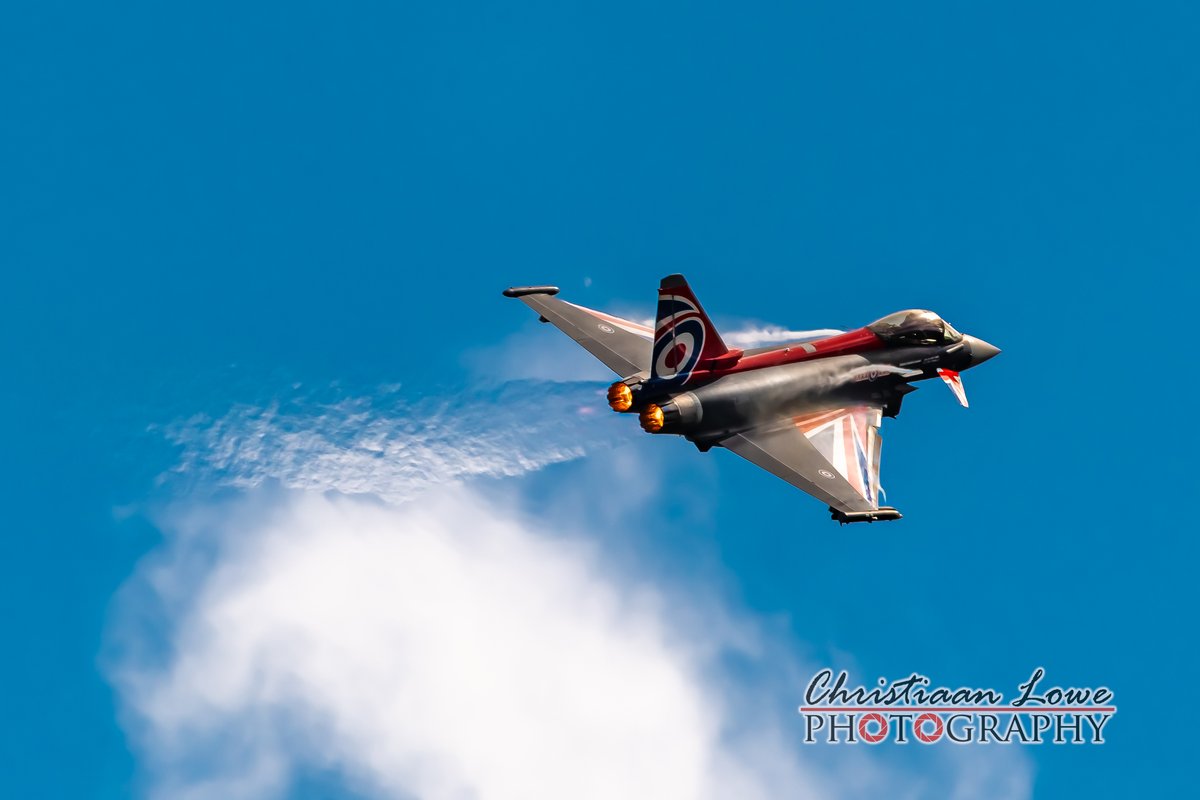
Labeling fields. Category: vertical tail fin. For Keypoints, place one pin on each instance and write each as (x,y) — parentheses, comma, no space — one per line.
(684,336)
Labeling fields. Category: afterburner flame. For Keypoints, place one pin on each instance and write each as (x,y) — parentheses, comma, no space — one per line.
(620,398)
(651,419)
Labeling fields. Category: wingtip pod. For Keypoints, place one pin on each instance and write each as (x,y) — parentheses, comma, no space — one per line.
(521,291)
(881,514)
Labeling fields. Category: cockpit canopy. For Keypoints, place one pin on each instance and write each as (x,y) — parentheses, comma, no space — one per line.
(915,326)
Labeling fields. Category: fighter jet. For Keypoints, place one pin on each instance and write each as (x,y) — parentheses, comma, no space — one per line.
(808,412)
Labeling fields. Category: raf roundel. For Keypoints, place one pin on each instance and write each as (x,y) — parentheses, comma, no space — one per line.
(677,352)
(678,342)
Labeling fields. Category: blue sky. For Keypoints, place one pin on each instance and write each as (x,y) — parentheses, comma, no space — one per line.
(206,207)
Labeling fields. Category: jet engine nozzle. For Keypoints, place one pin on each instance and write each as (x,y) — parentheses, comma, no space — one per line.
(651,419)
(620,397)
(680,414)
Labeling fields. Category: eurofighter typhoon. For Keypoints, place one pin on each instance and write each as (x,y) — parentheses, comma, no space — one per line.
(808,412)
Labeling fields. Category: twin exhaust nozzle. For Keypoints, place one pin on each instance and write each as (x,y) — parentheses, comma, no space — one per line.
(674,415)
(620,398)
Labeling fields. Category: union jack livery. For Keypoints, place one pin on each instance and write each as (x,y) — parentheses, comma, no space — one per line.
(808,412)
(848,438)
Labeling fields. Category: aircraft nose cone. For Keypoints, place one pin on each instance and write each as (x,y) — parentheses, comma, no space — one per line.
(981,351)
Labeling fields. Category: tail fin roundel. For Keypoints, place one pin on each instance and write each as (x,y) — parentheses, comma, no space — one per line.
(684,336)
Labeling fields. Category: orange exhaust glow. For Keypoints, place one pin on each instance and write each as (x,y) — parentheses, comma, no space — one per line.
(620,398)
(651,419)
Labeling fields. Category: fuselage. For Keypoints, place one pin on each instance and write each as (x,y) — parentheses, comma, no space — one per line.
(744,389)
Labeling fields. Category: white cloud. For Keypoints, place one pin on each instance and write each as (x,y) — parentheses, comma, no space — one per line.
(439,648)
(448,645)
(392,447)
